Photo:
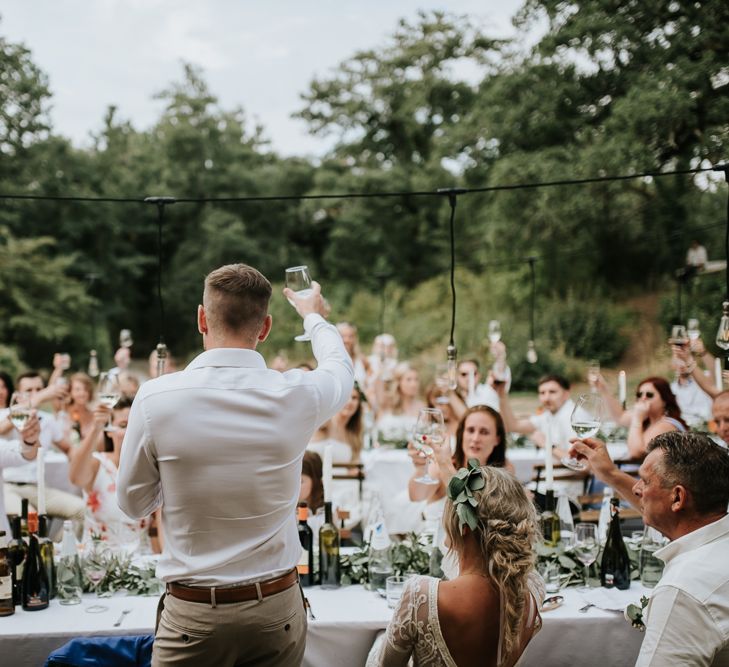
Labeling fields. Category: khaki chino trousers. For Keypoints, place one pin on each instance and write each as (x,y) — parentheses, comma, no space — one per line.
(265,633)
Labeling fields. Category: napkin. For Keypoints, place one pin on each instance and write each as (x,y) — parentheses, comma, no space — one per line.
(608,599)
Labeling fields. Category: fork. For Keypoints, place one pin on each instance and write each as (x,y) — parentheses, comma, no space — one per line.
(586,607)
(121,618)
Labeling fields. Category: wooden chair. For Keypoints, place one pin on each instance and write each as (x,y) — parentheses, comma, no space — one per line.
(561,474)
(350,471)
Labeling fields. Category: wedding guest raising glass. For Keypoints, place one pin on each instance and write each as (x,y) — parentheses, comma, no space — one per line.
(429,430)
(678,335)
(20,409)
(586,419)
(299,281)
(494,331)
(586,546)
(109,393)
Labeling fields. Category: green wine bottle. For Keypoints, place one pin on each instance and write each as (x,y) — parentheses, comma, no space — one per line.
(328,550)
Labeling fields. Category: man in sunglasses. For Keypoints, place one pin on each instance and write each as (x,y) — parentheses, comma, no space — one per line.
(682,491)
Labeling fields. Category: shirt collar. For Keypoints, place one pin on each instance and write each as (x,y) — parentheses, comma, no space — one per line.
(694,539)
(227,356)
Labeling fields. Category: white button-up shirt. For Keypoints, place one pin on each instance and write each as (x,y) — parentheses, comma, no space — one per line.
(687,618)
(11,454)
(559,423)
(219,447)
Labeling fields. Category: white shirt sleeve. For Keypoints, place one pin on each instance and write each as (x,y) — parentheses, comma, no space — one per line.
(138,488)
(334,375)
(679,631)
(10,453)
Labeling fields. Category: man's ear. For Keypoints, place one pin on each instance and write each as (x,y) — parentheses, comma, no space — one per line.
(202,321)
(679,498)
(265,329)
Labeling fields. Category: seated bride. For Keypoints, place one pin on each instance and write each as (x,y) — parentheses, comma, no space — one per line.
(487,614)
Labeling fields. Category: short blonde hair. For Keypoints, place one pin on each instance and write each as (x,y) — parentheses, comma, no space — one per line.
(236,299)
(507,534)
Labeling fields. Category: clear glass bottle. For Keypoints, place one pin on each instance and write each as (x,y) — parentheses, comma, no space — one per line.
(69,577)
(380,566)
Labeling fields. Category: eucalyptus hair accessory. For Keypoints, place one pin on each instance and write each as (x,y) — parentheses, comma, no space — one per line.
(460,491)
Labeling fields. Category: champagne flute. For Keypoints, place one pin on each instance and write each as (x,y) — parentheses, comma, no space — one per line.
(109,393)
(586,546)
(494,331)
(299,281)
(429,429)
(20,409)
(586,419)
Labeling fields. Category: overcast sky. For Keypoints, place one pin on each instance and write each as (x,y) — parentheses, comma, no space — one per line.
(258,55)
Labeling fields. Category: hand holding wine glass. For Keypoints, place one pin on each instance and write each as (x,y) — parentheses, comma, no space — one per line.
(586,420)
(303,294)
(109,393)
(429,431)
(20,409)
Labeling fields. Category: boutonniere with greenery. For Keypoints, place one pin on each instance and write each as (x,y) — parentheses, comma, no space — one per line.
(634,614)
(461,493)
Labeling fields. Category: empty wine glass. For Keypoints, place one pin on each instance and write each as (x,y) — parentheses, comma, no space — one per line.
(20,409)
(586,419)
(299,281)
(429,430)
(95,563)
(109,393)
(586,546)
(593,374)
(494,331)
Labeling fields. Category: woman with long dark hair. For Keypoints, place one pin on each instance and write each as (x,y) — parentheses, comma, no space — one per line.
(655,411)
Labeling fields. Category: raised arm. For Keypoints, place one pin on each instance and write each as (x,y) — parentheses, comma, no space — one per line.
(83,466)
(511,423)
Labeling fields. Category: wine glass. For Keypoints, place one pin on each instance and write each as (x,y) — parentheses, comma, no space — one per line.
(593,374)
(441,378)
(678,335)
(494,331)
(586,546)
(95,566)
(693,331)
(109,393)
(125,338)
(20,409)
(586,419)
(429,429)
(299,281)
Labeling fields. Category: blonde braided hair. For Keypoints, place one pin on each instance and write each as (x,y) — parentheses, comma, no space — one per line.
(506,534)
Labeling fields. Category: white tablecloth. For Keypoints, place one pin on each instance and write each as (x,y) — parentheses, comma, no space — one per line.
(56,473)
(347,622)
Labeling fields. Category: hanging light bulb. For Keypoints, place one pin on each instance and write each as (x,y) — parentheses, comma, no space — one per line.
(531,355)
(722,334)
(93,364)
(161,358)
(452,366)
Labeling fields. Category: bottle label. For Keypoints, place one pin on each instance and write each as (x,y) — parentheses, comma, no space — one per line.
(609,579)
(6,588)
(35,601)
(303,566)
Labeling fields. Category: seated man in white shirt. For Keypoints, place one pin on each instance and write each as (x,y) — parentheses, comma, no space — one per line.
(218,446)
(22,481)
(683,492)
(557,407)
(694,402)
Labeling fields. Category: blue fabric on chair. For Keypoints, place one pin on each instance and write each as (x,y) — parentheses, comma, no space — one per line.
(132,651)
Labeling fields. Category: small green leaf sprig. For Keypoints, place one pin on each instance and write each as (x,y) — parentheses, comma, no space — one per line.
(461,493)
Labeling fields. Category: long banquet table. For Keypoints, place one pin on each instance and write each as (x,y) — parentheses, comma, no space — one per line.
(347,622)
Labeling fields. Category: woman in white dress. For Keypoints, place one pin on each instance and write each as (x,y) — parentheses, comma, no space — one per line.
(399,403)
(487,614)
(95,472)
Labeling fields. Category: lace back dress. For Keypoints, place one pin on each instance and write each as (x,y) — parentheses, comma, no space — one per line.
(415,628)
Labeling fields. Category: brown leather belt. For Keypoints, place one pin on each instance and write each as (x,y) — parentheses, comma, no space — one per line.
(216,595)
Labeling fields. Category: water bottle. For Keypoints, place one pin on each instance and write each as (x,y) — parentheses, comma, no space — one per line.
(70,584)
(380,566)
(651,567)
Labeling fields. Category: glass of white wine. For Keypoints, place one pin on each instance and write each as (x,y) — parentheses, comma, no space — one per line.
(586,546)
(109,393)
(586,420)
(429,430)
(494,331)
(20,409)
(298,280)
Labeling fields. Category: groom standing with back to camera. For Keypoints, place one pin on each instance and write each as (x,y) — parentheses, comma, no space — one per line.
(219,446)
